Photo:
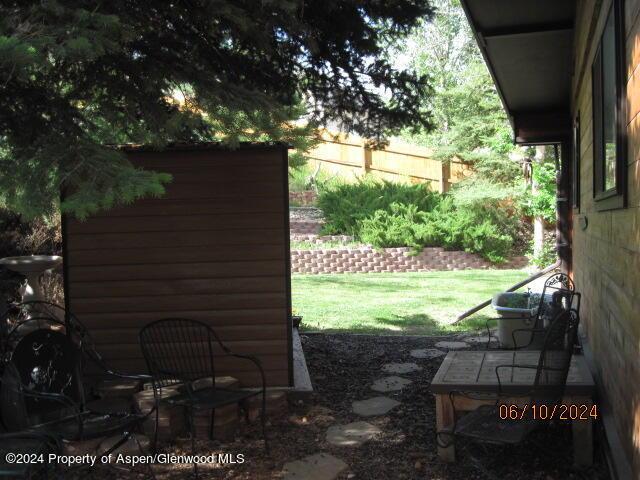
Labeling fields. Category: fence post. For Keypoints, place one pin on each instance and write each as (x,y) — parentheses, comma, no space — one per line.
(366,158)
(445,173)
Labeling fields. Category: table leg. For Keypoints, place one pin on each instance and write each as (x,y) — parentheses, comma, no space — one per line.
(445,420)
(582,431)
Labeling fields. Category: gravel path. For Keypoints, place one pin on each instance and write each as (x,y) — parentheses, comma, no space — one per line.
(305,214)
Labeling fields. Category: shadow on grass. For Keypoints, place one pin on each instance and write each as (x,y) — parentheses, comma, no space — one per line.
(416,324)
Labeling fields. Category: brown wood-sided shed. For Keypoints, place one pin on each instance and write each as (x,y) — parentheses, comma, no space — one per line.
(214,248)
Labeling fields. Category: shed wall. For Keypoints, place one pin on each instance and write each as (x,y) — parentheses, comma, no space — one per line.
(214,248)
(606,259)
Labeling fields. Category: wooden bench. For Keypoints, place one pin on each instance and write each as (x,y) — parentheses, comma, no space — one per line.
(474,371)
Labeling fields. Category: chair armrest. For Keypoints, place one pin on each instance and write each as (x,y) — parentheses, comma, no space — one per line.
(55,397)
(252,358)
(488,328)
(256,361)
(533,331)
(96,359)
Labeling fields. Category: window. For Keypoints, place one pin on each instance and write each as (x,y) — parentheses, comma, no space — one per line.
(575,191)
(609,133)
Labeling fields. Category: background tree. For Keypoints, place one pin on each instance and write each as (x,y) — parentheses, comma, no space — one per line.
(469,121)
(470,124)
(76,76)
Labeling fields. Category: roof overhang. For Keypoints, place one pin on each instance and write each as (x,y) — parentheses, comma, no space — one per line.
(528,48)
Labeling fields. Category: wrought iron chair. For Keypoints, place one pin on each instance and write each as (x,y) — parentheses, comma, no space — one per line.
(485,425)
(180,352)
(43,383)
(558,294)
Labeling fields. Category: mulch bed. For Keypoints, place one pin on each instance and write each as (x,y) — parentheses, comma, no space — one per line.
(342,368)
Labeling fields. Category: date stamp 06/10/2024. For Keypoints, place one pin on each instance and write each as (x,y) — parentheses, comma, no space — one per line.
(559,411)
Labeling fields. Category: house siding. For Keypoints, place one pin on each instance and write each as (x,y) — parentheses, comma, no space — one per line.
(606,255)
(213,248)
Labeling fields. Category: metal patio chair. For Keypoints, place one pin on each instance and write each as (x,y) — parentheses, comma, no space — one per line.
(484,425)
(180,352)
(43,384)
(558,294)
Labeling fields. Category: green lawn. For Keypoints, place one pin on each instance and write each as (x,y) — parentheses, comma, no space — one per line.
(397,303)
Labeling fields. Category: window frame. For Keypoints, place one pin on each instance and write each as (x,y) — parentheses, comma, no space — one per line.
(615,197)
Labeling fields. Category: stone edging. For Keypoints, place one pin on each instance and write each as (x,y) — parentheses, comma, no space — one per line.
(368,260)
(309,227)
(312,238)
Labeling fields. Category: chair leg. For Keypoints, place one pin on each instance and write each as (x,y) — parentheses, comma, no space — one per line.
(212,423)
(118,444)
(192,430)
(263,419)
(154,445)
(142,452)
(488,327)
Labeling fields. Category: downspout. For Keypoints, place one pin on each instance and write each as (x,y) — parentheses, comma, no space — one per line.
(563,207)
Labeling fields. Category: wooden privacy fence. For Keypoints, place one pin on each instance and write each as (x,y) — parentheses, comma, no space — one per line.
(350,157)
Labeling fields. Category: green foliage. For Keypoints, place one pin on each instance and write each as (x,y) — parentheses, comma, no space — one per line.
(306,178)
(391,215)
(542,202)
(345,205)
(470,124)
(471,230)
(299,178)
(547,256)
(469,121)
(402,226)
(76,77)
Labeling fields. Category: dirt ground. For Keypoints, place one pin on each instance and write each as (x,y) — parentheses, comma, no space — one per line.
(342,368)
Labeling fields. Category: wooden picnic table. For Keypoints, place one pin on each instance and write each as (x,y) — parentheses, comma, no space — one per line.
(475,371)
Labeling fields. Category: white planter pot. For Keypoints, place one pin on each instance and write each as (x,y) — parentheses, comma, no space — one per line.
(511,319)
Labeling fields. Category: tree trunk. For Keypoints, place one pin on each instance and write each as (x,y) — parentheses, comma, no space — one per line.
(538,222)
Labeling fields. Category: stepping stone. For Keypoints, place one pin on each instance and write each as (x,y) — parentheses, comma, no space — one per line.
(390,384)
(477,339)
(352,434)
(320,466)
(452,345)
(374,406)
(427,353)
(401,368)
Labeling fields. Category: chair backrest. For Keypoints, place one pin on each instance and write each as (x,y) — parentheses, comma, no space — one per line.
(555,358)
(178,351)
(557,295)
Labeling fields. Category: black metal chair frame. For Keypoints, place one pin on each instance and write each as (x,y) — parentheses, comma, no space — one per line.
(81,340)
(562,333)
(566,290)
(180,351)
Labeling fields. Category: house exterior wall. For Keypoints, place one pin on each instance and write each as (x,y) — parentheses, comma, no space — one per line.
(606,254)
(214,248)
